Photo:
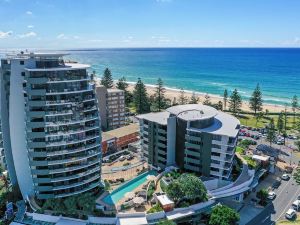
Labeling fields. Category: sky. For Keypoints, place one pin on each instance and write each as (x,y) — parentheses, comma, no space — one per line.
(72,24)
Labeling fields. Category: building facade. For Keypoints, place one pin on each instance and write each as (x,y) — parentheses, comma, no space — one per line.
(112,107)
(194,137)
(120,138)
(50,125)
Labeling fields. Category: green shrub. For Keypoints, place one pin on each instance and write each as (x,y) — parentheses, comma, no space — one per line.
(251,162)
(155,208)
(240,150)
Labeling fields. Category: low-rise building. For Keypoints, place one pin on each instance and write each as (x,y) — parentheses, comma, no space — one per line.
(196,138)
(112,103)
(119,139)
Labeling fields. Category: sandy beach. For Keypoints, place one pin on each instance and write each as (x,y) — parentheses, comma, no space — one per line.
(174,93)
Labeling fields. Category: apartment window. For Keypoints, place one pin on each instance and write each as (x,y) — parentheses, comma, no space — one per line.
(23,74)
(21,62)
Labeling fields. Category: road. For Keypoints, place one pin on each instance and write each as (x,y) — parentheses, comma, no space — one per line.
(287,193)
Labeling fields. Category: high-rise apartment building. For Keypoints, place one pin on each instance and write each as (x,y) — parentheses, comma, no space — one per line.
(195,137)
(112,107)
(50,125)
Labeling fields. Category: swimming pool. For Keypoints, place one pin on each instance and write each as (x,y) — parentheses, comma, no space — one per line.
(119,193)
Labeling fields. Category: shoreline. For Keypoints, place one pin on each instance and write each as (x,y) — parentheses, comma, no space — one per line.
(172,93)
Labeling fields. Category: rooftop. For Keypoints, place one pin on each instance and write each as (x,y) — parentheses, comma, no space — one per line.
(67,66)
(164,200)
(159,117)
(193,111)
(36,55)
(122,131)
(224,124)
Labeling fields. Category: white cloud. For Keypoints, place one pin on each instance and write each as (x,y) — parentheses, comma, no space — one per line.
(76,37)
(28,12)
(5,34)
(30,26)
(26,35)
(61,36)
(95,40)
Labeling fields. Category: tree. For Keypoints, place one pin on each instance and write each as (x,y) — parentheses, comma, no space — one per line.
(271,133)
(262,194)
(194,99)
(223,215)
(225,98)
(256,100)
(207,100)
(140,97)
(258,117)
(235,102)
(182,98)
(280,123)
(159,96)
(296,175)
(70,204)
(174,191)
(297,143)
(166,222)
(295,106)
(187,187)
(107,80)
(123,85)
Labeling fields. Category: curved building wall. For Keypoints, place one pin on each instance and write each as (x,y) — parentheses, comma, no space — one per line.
(200,124)
(63,131)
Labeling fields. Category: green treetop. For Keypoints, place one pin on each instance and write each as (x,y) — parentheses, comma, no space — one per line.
(159,96)
(235,102)
(223,215)
(182,98)
(271,132)
(194,99)
(140,98)
(123,85)
(225,98)
(256,100)
(295,106)
(107,80)
(280,122)
(206,100)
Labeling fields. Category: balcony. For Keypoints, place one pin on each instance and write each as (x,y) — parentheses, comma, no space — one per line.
(68,91)
(73,168)
(73,159)
(66,141)
(79,175)
(192,168)
(70,79)
(192,153)
(77,131)
(193,146)
(80,149)
(76,184)
(70,122)
(59,113)
(78,192)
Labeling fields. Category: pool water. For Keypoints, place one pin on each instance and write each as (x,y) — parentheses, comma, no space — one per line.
(119,193)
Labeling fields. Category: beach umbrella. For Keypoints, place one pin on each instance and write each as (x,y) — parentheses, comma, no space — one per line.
(150,177)
(138,200)
(130,195)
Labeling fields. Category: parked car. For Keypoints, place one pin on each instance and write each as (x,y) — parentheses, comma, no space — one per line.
(296,205)
(122,158)
(285,176)
(271,195)
(277,183)
(290,214)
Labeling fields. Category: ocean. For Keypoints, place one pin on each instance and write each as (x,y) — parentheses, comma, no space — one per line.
(205,70)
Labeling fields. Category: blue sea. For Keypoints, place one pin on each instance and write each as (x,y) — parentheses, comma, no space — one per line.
(205,70)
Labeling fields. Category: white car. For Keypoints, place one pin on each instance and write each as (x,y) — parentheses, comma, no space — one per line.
(290,214)
(271,195)
(285,176)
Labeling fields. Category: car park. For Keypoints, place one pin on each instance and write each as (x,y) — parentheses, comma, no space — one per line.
(290,214)
(271,195)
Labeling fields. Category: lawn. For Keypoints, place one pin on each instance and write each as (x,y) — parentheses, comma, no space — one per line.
(250,120)
(286,222)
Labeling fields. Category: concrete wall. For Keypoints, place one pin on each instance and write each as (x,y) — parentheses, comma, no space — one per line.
(17,119)
(171,141)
